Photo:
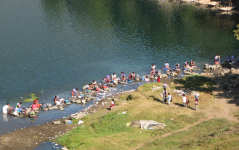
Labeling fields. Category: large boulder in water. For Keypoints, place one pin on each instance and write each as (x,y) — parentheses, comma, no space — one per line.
(235,71)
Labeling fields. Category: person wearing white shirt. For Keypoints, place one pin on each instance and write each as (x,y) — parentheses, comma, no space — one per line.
(5,109)
(169,98)
(184,100)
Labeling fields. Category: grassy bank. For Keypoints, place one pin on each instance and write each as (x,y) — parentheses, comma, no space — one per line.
(215,134)
(186,128)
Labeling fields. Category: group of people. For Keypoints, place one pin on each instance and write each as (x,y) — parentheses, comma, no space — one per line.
(229,59)
(186,100)
(108,81)
(167,98)
(19,110)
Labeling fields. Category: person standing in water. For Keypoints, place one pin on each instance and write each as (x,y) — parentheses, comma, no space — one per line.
(6,109)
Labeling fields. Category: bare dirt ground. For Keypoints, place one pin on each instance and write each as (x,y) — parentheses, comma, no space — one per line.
(28,138)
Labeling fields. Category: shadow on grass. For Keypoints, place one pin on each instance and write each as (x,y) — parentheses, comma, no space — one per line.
(226,86)
(196,83)
(157,99)
(229,84)
(181,105)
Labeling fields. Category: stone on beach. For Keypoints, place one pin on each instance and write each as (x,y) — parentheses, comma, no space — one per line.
(80,122)
(78,115)
(147,124)
(64,148)
(68,121)
(56,122)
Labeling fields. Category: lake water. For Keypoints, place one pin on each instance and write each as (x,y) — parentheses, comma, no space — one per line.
(49,47)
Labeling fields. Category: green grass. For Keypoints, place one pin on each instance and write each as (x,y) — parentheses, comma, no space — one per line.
(107,130)
(216,134)
(30,98)
(112,128)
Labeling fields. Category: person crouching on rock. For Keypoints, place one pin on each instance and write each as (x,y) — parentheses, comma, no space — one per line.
(36,106)
(56,100)
(217,60)
(123,77)
(153,67)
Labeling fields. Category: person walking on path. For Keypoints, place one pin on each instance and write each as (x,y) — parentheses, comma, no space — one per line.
(169,98)
(187,102)
(184,100)
(165,93)
(196,101)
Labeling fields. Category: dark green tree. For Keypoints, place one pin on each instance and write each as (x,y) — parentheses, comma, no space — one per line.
(236,32)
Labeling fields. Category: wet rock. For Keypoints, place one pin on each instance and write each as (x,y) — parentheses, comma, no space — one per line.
(235,71)
(56,122)
(78,115)
(68,121)
(211,68)
(53,108)
(163,76)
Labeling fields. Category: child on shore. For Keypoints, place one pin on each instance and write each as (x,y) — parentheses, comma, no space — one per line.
(196,101)
(112,104)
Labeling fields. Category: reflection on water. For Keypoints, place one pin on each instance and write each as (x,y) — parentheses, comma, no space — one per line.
(51,46)
(48,146)
(5,117)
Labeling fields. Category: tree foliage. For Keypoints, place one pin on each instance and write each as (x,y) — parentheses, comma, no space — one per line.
(236,32)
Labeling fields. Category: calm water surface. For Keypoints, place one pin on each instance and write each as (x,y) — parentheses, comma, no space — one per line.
(50,46)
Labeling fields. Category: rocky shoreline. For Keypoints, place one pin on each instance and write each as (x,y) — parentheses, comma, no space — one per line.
(213,5)
(35,135)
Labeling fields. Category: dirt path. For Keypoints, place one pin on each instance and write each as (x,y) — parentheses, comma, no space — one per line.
(220,109)
(171,133)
